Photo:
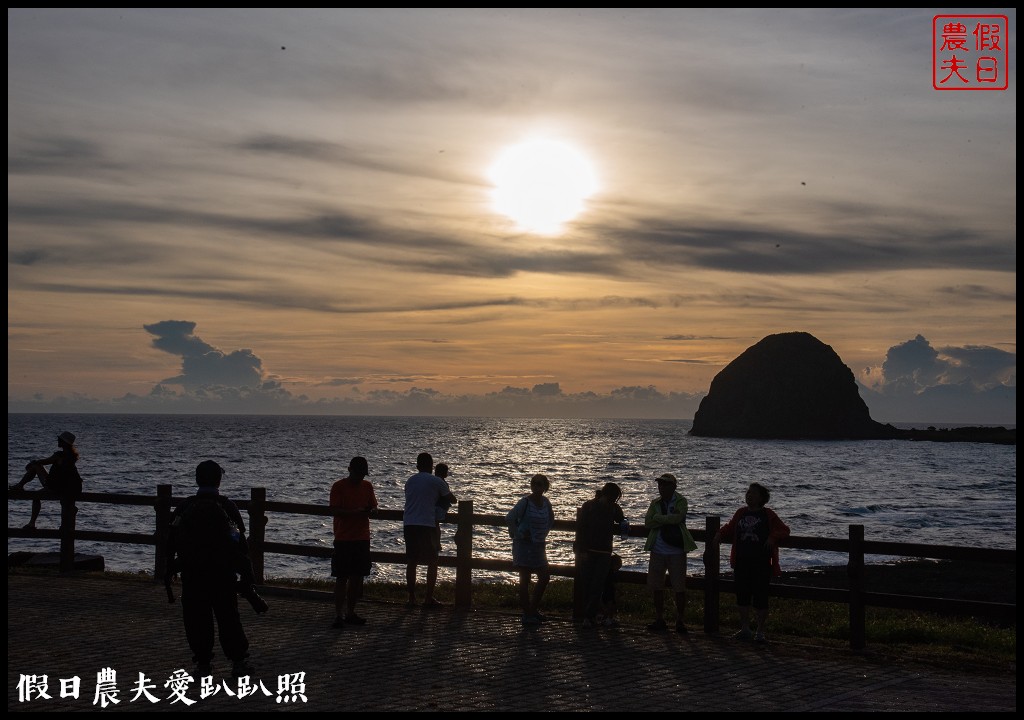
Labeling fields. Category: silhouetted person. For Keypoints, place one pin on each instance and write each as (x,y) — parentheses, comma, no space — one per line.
(755,531)
(207,545)
(597,521)
(668,541)
(444,504)
(529,523)
(419,526)
(61,481)
(353,502)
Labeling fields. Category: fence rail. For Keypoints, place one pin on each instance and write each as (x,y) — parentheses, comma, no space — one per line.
(855,548)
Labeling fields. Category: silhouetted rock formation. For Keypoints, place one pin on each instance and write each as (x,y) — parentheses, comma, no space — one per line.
(787,386)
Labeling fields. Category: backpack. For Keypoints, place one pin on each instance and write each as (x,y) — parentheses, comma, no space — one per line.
(672,534)
(206,540)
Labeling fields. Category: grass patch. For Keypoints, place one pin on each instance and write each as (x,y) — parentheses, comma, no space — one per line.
(899,635)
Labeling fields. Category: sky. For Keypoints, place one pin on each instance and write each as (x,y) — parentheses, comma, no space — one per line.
(294,210)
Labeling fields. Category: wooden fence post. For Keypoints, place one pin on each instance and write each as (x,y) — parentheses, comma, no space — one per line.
(67,534)
(855,569)
(712,567)
(257,530)
(162,509)
(464,556)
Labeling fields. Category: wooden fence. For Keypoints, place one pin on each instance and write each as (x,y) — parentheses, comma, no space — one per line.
(713,584)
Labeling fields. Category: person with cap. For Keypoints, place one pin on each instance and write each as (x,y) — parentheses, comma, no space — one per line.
(352,503)
(668,541)
(61,480)
(207,545)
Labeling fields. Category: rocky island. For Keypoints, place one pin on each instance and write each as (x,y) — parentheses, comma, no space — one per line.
(792,386)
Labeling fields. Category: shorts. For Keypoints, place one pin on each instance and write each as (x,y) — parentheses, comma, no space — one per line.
(676,567)
(422,544)
(351,558)
(752,578)
(528,555)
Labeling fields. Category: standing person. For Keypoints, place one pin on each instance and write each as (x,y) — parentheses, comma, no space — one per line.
(609,616)
(596,523)
(529,523)
(443,504)
(61,480)
(755,531)
(352,503)
(207,545)
(419,526)
(668,541)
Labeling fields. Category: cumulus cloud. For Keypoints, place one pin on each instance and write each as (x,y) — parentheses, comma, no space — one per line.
(915,365)
(918,382)
(202,365)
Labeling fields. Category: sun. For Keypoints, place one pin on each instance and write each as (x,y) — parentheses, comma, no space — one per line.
(541,184)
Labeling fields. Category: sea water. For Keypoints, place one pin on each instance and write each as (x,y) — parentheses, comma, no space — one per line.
(901,491)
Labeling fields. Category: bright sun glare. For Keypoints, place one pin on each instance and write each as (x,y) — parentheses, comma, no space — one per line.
(541,184)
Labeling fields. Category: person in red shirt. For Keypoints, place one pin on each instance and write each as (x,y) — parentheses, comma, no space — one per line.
(352,504)
(755,532)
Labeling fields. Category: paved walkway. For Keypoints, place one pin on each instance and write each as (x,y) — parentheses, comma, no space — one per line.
(434,660)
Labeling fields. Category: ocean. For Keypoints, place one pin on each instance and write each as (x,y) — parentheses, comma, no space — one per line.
(901,491)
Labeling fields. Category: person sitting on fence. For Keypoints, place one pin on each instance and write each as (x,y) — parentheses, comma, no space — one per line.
(755,531)
(668,541)
(61,481)
(529,523)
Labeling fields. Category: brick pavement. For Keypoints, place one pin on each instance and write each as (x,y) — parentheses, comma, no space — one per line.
(433,660)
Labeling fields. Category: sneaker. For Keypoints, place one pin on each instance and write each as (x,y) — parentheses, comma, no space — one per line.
(339,623)
(759,637)
(588,624)
(353,619)
(542,618)
(744,634)
(202,669)
(610,622)
(680,627)
(241,668)
(433,603)
(658,626)
(531,620)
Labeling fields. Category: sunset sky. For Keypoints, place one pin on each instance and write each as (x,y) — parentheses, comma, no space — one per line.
(263,210)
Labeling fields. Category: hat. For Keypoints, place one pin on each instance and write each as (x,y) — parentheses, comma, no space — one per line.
(667,478)
(67,437)
(209,473)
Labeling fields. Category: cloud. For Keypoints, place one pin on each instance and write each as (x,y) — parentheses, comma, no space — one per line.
(203,366)
(915,365)
(57,155)
(919,383)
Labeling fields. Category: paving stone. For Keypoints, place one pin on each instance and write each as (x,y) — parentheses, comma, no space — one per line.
(444,660)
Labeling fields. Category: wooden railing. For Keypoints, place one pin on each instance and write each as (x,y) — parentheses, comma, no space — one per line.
(713,584)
